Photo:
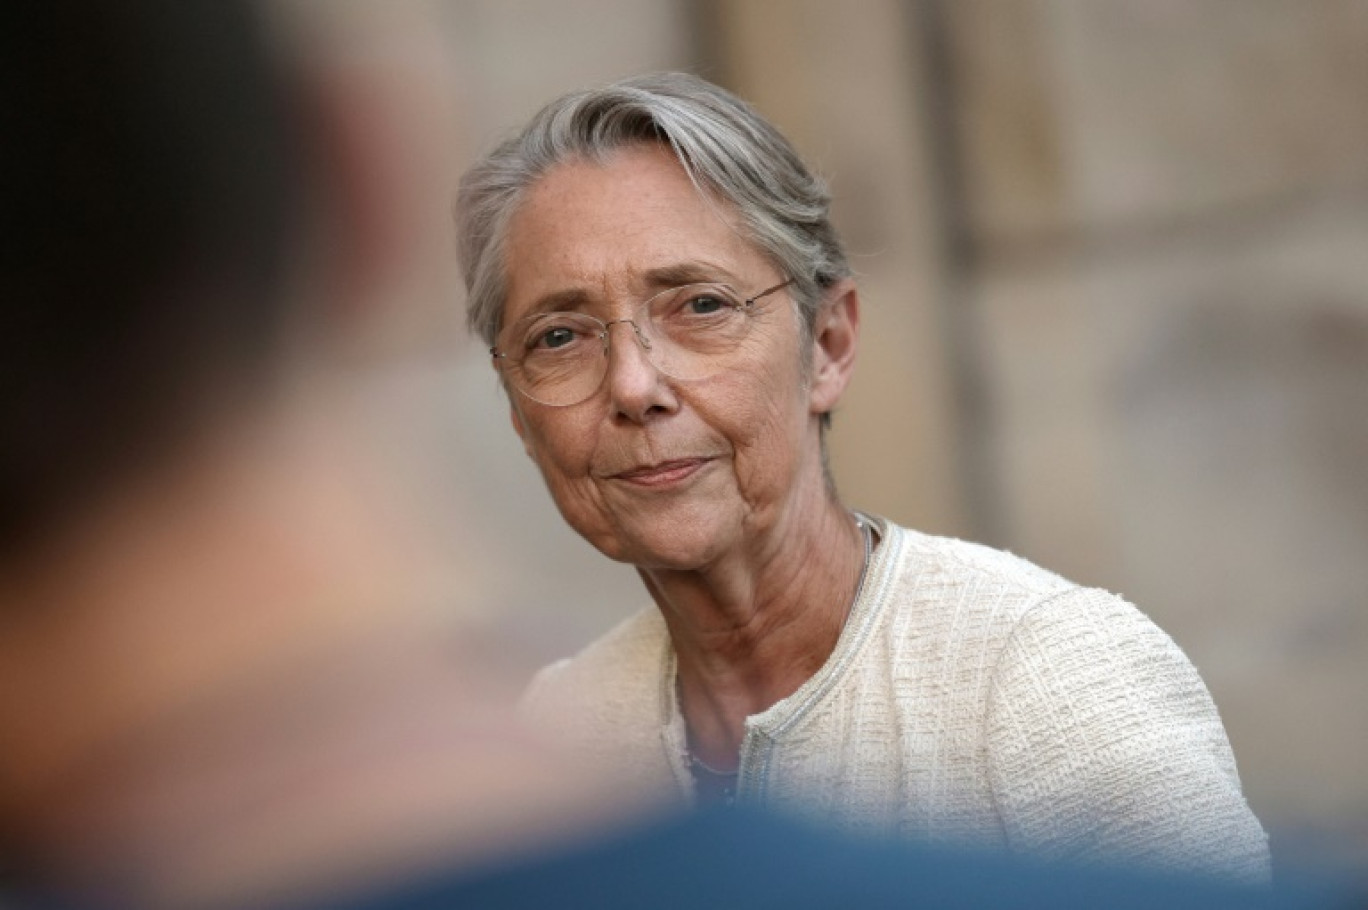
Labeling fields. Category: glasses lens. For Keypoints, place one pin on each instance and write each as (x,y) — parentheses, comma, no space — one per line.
(686,332)
(693,328)
(556,358)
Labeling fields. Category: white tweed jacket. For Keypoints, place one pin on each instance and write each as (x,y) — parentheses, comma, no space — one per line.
(972,698)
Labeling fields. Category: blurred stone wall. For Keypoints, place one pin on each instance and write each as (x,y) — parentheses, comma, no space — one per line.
(1114,262)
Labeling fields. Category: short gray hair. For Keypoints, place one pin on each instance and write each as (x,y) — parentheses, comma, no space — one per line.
(727,149)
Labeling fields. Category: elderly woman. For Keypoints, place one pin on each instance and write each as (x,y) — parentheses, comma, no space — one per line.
(674,319)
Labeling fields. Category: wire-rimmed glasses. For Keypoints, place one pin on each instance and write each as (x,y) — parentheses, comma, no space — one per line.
(560,358)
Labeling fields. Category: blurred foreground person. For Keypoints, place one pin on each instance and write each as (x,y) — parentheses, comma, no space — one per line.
(223,677)
(226,667)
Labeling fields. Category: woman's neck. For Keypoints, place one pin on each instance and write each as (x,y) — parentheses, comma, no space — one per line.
(752,629)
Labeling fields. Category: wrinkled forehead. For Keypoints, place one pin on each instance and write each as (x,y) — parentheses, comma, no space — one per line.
(620,228)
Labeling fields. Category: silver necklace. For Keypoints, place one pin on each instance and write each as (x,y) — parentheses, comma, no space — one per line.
(712,785)
(700,765)
(868,534)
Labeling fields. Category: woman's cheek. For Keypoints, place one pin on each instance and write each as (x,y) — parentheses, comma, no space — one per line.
(565,449)
(757,439)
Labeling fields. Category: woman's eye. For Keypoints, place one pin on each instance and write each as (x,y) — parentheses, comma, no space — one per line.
(705,305)
(551,338)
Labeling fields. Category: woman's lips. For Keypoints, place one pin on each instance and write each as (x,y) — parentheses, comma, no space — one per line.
(664,473)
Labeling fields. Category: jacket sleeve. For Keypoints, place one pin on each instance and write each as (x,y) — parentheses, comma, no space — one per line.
(1104,744)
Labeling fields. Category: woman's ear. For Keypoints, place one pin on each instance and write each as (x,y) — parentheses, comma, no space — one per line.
(835,338)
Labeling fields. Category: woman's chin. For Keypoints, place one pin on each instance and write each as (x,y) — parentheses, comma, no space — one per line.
(667,545)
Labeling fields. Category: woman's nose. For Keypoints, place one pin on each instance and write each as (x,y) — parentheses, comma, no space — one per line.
(636,387)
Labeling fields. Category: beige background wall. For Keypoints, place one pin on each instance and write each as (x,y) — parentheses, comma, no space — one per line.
(1114,257)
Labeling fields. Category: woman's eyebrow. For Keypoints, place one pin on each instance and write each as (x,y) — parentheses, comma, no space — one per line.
(558,302)
(654,279)
(675,274)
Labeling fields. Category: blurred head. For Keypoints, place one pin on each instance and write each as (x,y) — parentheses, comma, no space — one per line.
(150,189)
(731,155)
(209,211)
(197,202)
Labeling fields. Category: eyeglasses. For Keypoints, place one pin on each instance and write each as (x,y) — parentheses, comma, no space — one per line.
(560,359)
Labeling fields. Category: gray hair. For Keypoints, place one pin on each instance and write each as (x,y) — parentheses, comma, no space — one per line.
(726,148)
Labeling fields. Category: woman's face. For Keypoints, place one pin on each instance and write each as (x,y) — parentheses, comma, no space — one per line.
(651,470)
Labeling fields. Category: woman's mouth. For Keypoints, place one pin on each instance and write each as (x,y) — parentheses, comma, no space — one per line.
(662,474)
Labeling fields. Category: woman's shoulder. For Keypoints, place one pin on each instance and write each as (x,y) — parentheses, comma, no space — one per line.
(1036,633)
(1093,705)
(942,583)
(961,595)
(607,706)
(949,559)
(1099,736)
(608,670)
